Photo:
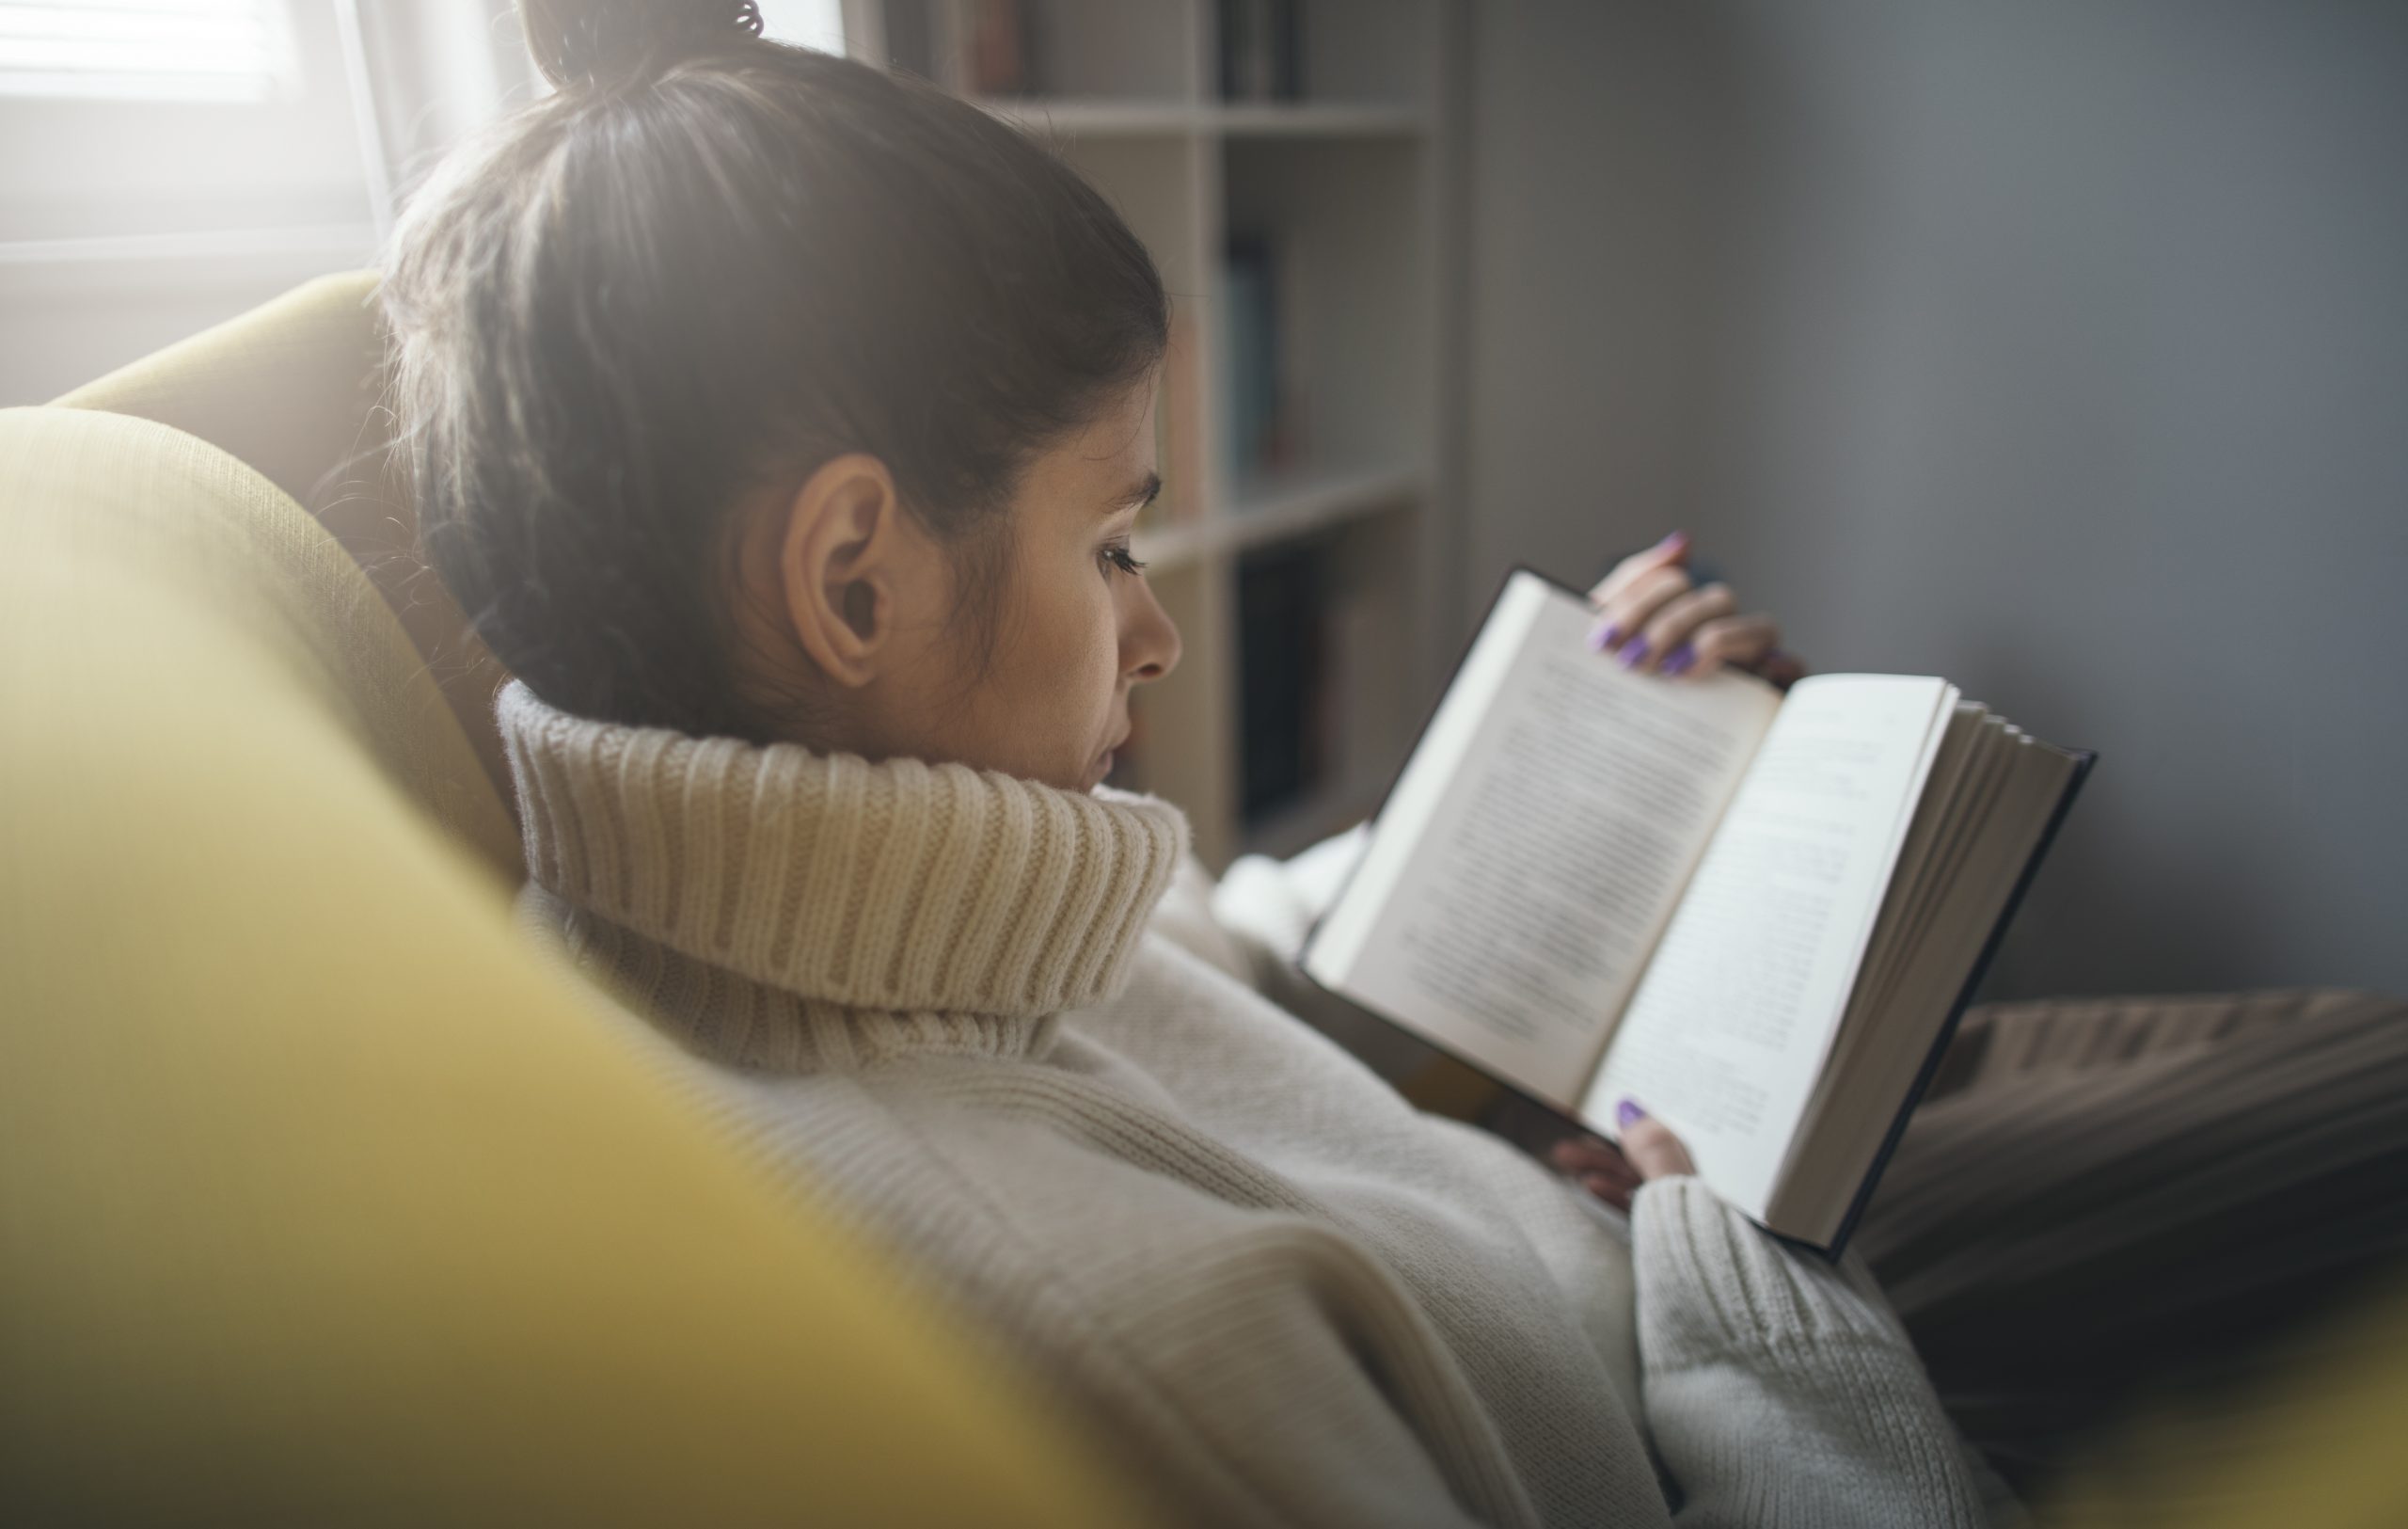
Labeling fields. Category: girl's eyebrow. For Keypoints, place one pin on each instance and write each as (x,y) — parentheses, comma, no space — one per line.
(1136,496)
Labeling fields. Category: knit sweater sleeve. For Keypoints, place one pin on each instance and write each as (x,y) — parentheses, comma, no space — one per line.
(1779,1389)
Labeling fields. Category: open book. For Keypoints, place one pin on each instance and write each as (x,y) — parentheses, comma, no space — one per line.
(1756,916)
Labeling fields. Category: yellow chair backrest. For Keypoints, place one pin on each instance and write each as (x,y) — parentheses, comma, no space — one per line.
(296,389)
(323,1196)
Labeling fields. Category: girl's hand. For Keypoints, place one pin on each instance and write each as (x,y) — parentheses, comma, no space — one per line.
(1654,618)
(1649,1151)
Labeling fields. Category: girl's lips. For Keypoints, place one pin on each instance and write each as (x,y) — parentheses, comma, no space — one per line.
(1104,762)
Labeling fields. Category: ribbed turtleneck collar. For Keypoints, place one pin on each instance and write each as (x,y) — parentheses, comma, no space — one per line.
(782,909)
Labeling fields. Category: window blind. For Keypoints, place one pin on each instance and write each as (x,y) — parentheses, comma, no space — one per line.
(147,50)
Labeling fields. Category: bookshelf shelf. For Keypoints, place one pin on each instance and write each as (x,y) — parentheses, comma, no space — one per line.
(1291,181)
(1064,117)
(1279,509)
(1069,115)
(1301,502)
(1316,121)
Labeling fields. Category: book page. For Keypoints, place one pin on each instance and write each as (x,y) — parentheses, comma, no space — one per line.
(1536,843)
(1725,1036)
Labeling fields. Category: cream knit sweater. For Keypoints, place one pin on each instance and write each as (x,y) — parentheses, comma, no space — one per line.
(995,1021)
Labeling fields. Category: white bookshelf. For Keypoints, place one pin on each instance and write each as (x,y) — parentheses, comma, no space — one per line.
(1094,118)
(1351,182)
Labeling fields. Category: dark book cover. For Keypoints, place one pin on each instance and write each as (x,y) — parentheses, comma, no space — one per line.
(1281,596)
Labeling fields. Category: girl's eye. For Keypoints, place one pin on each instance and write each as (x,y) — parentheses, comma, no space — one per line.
(1117,556)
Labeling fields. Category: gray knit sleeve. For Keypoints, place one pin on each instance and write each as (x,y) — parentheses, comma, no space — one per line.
(1780,1390)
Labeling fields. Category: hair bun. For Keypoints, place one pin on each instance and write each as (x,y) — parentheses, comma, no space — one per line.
(574,42)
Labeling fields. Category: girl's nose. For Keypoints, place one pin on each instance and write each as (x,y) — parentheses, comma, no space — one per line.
(1149,647)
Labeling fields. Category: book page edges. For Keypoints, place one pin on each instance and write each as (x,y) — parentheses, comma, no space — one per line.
(1836,1243)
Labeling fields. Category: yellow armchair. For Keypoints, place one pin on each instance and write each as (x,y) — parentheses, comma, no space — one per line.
(323,1196)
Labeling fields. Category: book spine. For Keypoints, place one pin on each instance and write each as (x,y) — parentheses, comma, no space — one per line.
(1283,606)
(1261,49)
(911,37)
(1001,48)
(1252,319)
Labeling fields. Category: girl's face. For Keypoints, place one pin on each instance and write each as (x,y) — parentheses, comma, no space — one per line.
(1077,629)
(868,599)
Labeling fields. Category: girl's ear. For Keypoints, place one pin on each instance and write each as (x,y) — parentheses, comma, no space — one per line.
(839,567)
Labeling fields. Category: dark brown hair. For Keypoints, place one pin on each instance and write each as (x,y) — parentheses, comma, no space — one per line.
(705,262)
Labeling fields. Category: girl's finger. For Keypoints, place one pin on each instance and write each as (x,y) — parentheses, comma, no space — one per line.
(1581,1157)
(1779,668)
(1653,1149)
(1672,550)
(1739,640)
(1669,634)
(1579,1153)
(1620,622)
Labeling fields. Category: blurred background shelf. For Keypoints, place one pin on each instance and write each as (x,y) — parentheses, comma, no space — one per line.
(1307,122)
(1049,117)
(1287,164)
(1277,509)
(1092,118)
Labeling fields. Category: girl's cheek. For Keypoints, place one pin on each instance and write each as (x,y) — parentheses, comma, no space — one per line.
(1108,647)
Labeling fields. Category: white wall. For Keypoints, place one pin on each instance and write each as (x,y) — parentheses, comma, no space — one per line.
(2059,348)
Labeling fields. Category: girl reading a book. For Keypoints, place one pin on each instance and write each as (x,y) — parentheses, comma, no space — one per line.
(782,424)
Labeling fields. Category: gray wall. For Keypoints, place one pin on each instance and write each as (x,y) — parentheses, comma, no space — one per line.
(2061,348)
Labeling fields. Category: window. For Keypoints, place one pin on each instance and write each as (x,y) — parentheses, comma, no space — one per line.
(147,50)
(164,164)
(812,24)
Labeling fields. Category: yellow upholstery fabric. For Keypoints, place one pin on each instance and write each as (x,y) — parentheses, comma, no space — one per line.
(324,1197)
(289,387)
(2320,1446)
(155,504)
(296,389)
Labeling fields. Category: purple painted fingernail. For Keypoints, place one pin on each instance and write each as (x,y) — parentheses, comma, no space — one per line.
(1634,653)
(1679,659)
(1603,637)
(1628,1114)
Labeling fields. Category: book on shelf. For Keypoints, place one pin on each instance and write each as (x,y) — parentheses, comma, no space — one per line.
(970,47)
(1261,56)
(1282,601)
(1261,401)
(1757,916)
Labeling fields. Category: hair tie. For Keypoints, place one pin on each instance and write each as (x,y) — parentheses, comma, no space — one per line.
(578,42)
